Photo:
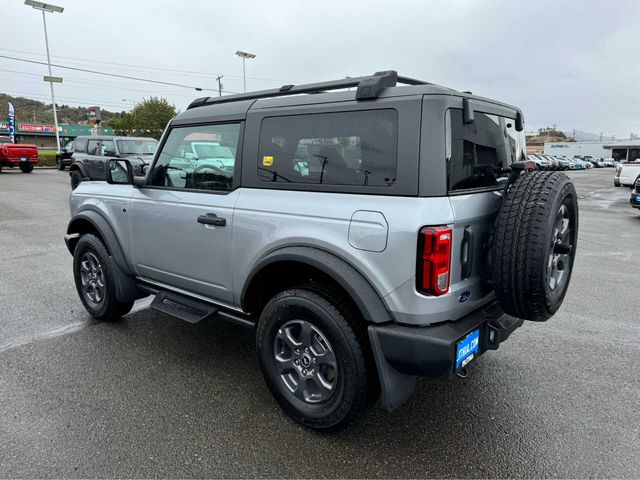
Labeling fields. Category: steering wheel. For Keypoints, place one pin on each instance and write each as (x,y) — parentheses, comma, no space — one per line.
(206,166)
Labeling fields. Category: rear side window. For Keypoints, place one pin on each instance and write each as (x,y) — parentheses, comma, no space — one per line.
(80,145)
(350,148)
(479,155)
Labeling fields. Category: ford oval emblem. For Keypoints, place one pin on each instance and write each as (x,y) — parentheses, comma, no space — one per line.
(464,296)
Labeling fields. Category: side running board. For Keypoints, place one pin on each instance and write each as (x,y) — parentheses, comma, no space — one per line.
(195,311)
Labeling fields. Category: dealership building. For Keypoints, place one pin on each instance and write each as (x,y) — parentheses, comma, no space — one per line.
(623,150)
(44,136)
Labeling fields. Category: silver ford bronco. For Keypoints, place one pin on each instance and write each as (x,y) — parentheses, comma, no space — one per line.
(370,233)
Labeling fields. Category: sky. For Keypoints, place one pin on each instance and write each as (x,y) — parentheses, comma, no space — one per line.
(572,63)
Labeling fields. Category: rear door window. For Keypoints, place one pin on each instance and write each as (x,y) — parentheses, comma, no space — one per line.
(107,148)
(480,154)
(349,148)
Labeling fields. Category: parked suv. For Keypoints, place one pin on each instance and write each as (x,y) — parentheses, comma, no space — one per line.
(369,236)
(63,157)
(91,153)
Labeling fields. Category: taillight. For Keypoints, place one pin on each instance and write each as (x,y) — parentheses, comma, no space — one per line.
(618,170)
(434,260)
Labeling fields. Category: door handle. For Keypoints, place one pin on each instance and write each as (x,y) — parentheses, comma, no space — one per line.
(212,219)
(468,245)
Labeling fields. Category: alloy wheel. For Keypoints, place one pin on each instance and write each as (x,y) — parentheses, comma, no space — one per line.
(92,278)
(559,255)
(305,361)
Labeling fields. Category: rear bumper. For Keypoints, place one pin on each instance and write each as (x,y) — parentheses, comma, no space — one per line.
(616,181)
(17,160)
(402,353)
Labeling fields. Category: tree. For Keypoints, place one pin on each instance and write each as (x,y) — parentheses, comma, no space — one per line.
(148,118)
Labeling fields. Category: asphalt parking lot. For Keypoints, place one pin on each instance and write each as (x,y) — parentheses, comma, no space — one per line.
(155,397)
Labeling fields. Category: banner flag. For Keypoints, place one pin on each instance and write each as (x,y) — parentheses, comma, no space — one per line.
(12,123)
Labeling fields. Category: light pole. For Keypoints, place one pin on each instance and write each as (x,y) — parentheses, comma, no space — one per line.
(244,56)
(46,7)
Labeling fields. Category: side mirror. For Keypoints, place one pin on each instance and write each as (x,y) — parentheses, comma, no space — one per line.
(109,153)
(519,122)
(467,112)
(118,172)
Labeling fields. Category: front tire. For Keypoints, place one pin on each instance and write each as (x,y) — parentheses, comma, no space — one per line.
(95,282)
(313,359)
(60,163)
(26,167)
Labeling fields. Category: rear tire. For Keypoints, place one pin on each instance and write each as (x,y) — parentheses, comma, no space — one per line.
(534,245)
(76,178)
(313,358)
(95,282)
(26,167)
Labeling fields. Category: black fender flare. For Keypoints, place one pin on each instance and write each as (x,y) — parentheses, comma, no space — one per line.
(100,224)
(79,166)
(366,298)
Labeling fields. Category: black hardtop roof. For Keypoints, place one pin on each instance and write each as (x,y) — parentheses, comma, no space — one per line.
(379,85)
(113,137)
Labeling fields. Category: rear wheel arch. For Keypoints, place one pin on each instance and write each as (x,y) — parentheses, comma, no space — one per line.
(292,266)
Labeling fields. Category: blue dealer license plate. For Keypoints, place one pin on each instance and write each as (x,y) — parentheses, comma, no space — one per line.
(467,348)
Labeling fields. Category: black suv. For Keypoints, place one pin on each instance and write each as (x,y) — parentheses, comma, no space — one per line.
(63,157)
(91,153)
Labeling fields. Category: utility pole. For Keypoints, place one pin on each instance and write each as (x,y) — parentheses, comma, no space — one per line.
(601,135)
(574,134)
(219,78)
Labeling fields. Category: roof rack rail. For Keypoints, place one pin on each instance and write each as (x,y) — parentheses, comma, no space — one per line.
(368,87)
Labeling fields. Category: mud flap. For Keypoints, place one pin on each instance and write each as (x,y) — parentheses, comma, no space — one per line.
(126,286)
(395,387)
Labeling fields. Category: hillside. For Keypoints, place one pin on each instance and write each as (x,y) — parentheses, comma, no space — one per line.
(26,109)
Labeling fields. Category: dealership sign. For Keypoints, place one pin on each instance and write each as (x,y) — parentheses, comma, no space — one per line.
(28,127)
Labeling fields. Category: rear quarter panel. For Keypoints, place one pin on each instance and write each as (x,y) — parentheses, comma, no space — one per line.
(266,220)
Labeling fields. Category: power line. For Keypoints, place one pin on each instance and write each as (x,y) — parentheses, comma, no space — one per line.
(148,67)
(107,74)
(92,84)
(65,99)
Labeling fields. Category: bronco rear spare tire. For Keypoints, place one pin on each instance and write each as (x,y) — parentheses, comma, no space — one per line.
(534,245)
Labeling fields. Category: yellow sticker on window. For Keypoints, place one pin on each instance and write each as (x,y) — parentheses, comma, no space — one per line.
(267,161)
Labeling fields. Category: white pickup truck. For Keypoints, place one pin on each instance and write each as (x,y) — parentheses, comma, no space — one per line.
(627,174)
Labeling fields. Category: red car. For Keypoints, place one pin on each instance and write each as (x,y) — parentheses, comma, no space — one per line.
(15,154)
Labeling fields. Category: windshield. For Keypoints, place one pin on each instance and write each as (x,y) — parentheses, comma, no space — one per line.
(137,147)
(212,150)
